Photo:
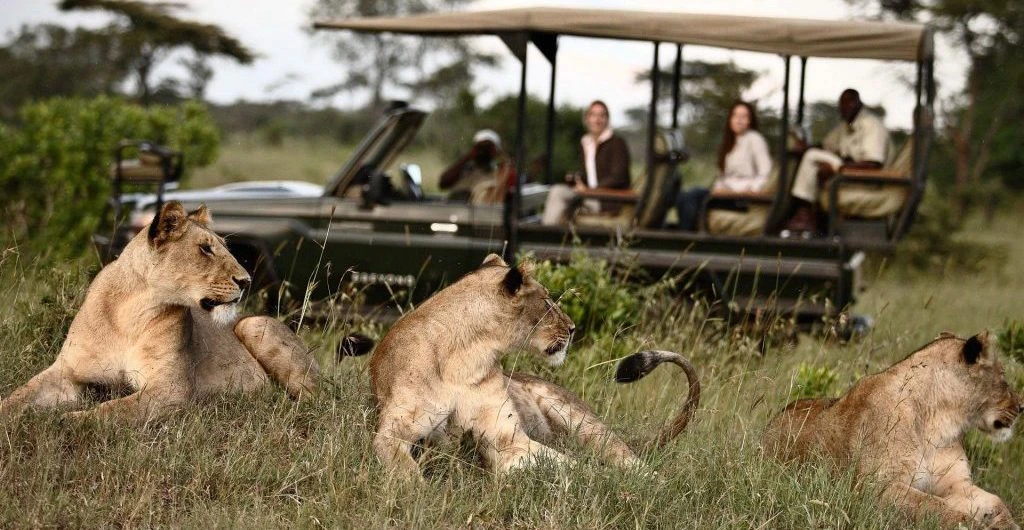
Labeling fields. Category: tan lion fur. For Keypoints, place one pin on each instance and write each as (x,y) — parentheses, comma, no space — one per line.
(904,428)
(438,368)
(160,319)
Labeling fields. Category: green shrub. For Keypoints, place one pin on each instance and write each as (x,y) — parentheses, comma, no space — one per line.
(1011,340)
(54,165)
(813,382)
(597,296)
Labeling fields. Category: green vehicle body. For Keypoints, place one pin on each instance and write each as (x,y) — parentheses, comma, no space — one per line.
(335,243)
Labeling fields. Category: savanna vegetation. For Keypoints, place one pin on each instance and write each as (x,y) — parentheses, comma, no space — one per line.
(264,461)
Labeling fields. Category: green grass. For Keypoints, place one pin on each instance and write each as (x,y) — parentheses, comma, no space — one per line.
(264,461)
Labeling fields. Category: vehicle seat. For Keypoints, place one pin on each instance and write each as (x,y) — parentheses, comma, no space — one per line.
(649,200)
(148,167)
(870,193)
(739,213)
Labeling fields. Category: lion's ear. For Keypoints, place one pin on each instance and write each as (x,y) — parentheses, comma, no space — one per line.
(493,259)
(976,348)
(201,215)
(513,281)
(168,225)
(946,335)
(527,268)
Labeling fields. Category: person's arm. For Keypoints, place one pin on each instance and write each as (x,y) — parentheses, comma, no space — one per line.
(452,174)
(762,162)
(876,143)
(831,140)
(618,167)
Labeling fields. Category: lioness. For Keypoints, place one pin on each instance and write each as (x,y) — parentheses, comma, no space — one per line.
(904,426)
(161,320)
(439,365)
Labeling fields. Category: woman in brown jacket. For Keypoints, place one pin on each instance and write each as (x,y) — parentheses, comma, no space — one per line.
(604,157)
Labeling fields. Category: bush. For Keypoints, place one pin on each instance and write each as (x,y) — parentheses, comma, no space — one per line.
(54,166)
(597,296)
(813,382)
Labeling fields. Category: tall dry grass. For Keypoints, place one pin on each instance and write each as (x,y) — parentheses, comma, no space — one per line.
(264,461)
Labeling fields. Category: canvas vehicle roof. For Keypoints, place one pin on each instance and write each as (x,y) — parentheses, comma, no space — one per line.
(785,36)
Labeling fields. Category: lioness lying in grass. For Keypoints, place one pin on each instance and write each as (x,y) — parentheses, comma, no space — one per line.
(161,320)
(904,427)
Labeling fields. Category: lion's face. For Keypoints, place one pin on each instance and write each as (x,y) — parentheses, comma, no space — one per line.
(192,262)
(545,327)
(995,405)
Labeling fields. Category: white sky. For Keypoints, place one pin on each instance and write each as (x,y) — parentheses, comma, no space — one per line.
(292,63)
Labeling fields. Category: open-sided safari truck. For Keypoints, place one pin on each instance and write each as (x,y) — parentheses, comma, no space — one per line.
(371,231)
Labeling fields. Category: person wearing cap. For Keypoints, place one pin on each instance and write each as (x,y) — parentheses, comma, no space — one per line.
(483,174)
(604,157)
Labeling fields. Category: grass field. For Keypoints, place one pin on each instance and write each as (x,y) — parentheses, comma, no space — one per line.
(264,461)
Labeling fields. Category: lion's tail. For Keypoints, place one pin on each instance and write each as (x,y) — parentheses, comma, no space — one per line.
(639,364)
(354,345)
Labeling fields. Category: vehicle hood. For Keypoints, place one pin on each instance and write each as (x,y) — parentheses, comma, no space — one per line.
(268,189)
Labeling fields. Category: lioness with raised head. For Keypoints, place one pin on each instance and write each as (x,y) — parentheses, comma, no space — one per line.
(904,427)
(161,320)
(439,366)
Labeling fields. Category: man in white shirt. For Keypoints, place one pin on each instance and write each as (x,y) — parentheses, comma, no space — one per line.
(861,141)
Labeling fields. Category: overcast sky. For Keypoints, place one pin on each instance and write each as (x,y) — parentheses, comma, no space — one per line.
(293,63)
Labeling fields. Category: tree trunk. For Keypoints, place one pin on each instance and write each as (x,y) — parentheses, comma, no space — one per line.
(142,71)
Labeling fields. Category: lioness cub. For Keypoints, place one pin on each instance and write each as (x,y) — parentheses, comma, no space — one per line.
(161,320)
(904,426)
(439,365)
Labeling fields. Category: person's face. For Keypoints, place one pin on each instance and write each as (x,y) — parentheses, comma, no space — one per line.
(596,119)
(848,107)
(739,120)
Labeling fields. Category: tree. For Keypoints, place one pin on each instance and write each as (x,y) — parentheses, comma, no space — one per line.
(437,69)
(707,91)
(48,60)
(981,123)
(148,33)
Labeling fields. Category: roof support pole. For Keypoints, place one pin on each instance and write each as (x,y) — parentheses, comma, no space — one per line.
(652,113)
(512,203)
(550,145)
(782,190)
(800,100)
(677,74)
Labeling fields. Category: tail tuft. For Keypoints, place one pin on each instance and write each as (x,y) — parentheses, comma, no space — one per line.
(641,363)
(354,345)
(635,366)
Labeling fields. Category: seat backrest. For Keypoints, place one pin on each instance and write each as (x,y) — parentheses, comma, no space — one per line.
(660,187)
(919,150)
(903,160)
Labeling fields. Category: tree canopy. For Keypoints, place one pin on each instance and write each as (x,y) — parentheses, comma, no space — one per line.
(432,69)
(146,33)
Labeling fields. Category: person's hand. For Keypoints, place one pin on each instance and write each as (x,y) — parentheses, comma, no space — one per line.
(577,181)
(825,171)
(484,148)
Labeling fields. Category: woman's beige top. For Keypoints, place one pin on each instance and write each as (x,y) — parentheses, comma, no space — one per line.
(747,166)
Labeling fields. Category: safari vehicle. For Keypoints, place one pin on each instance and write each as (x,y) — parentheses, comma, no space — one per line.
(371,230)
